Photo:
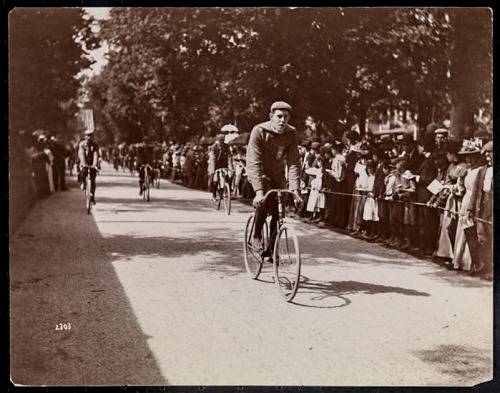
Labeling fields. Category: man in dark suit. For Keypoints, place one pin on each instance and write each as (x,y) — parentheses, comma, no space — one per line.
(428,219)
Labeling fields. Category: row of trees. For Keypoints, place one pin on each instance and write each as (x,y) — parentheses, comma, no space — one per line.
(184,72)
(181,72)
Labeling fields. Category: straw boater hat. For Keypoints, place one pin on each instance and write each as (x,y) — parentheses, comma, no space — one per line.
(469,148)
(441,131)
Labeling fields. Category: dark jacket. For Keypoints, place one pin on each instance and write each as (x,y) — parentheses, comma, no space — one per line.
(268,154)
(220,156)
(427,172)
(145,154)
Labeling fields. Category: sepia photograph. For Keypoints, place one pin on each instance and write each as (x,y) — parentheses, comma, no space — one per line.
(251,196)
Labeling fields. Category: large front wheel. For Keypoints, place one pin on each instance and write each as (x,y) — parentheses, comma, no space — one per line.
(286,264)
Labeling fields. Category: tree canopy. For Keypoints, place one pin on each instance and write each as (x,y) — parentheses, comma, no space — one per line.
(48,47)
(184,72)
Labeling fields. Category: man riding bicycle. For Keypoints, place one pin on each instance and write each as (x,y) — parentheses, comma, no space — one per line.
(272,147)
(144,158)
(88,154)
(219,158)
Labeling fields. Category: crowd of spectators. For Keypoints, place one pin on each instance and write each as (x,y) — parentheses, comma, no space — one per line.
(431,197)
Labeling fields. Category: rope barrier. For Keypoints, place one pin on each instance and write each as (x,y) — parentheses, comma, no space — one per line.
(405,202)
(360,195)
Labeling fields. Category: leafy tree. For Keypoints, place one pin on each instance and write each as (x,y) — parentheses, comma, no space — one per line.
(185,72)
(47,48)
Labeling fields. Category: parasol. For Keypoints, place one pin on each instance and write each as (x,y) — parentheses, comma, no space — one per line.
(229,128)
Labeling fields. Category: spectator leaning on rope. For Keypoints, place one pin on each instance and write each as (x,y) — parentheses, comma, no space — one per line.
(272,147)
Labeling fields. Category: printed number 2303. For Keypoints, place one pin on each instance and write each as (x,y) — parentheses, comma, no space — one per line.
(63,326)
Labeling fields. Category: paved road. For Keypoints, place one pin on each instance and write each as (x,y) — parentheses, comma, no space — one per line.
(156,293)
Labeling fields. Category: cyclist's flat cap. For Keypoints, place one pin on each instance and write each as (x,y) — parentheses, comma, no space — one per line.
(88,132)
(281,105)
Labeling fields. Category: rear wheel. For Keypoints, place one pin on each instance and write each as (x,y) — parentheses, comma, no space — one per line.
(227,199)
(286,262)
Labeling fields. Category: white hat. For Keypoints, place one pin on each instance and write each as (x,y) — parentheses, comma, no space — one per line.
(89,132)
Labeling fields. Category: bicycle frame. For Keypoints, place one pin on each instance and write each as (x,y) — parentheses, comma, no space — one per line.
(281,214)
(220,175)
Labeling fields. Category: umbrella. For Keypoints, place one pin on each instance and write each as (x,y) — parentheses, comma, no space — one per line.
(241,139)
(229,128)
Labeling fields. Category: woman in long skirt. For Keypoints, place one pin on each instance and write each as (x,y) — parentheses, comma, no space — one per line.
(452,193)
(462,256)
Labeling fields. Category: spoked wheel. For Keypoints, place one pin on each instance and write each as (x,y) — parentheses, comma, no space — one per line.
(227,199)
(147,189)
(88,196)
(157,179)
(219,197)
(286,262)
(253,259)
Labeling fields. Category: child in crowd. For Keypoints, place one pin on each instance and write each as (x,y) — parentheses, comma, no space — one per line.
(392,183)
(316,201)
(405,192)
(370,209)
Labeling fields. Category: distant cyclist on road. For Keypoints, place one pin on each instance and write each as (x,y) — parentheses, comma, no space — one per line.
(272,147)
(88,154)
(144,158)
(218,158)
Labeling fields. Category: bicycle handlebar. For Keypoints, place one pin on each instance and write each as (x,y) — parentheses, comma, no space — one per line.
(282,191)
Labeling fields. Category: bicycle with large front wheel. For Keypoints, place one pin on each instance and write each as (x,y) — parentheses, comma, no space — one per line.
(223,189)
(282,247)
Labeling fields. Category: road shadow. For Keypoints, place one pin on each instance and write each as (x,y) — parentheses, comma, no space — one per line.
(465,364)
(346,251)
(61,272)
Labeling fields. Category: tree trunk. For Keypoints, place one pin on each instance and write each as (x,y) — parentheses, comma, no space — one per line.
(362,120)
(424,112)
(471,77)
(462,115)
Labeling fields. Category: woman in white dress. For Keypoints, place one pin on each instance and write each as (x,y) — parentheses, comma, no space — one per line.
(462,256)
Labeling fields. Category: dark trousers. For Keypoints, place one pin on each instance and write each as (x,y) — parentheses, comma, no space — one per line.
(428,227)
(270,206)
(142,173)
(93,173)
(58,174)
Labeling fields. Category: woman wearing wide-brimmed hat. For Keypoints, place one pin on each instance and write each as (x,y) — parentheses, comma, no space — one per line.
(464,248)
(450,198)
(484,211)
